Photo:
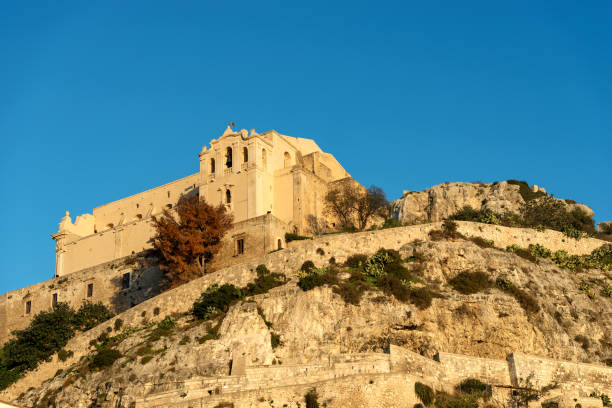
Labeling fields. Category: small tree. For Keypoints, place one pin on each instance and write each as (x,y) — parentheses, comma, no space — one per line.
(349,202)
(189,239)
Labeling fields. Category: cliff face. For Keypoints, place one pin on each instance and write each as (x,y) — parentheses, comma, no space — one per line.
(318,325)
(443,200)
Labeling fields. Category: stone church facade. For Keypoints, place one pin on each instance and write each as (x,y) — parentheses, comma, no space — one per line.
(271,183)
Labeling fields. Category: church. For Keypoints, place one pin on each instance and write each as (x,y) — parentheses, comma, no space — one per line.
(271,183)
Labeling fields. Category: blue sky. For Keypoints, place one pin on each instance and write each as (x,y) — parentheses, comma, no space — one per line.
(100,100)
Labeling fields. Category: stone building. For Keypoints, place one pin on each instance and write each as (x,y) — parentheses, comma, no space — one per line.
(271,183)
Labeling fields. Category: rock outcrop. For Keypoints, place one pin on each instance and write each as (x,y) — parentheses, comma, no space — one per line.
(316,325)
(443,200)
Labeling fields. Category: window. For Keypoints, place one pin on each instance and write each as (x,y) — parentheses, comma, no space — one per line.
(28,307)
(245,155)
(240,246)
(89,289)
(126,280)
(287,159)
(168,206)
(139,216)
(279,244)
(212,166)
(264,158)
(54,301)
(228,196)
(228,158)
(137,205)
(109,226)
(168,194)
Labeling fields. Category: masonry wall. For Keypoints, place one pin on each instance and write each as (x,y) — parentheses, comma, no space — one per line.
(545,371)
(287,261)
(457,367)
(107,281)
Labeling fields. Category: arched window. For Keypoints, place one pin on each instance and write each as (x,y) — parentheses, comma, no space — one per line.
(212,166)
(228,158)
(245,155)
(279,244)
(264,158)
(287,159)
(228,196)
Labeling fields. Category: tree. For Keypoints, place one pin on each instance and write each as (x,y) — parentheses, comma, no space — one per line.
(349,202)
(188,239)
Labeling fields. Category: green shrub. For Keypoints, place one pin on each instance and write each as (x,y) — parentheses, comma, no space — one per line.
(390,223)
(316,277)
(421,297)
(262,270)
(312,399)
(275,340)
(523,253)
(469,283)
(295,237)
(424,393)
(47,333)
(307,266)
(105,357)
(64,355)
(320,251)
(552,213)
(527,302)
(458,400)
(265,281)
(550,404)
(391,285)
(146,359)
(118,324)
(525,191)
(604,398)
(483,243)
(475,387)
(156,311)
(90,315)
(351,291)
(163,329)
(356,260)
(216,298)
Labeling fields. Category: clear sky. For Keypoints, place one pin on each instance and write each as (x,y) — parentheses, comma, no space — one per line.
(101,100)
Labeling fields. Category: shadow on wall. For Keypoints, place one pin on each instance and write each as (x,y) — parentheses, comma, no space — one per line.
(143,281)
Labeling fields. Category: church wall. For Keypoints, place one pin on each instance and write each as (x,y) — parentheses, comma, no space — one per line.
(148,202)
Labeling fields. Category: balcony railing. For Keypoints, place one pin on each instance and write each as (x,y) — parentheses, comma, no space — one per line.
(244,166)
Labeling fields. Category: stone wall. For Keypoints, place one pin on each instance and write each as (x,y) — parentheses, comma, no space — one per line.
(545,371)
(107,286)
(287,261)
(456,367)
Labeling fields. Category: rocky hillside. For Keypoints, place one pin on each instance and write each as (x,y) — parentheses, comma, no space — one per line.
(460,297)
(443,200)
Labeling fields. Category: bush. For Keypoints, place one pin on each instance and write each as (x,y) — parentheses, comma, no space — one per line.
(262,270)
(525,191)
(391,285)
(105,357)
(90,315)
(551,213)
(356,260)
(459,400)
(307,266)
(47,334)
(294,237)
(146,359)
(64,355)
(216,298)
(475,387)
(483,243)
(421,298)
(265,281)
(275,340)
(316,277)
(469,283)
(523,253)
(424,393)
(527,302)
(351,292)
(312,399)
(118,324)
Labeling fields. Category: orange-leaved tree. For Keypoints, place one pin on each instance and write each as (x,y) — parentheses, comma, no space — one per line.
(189,237)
